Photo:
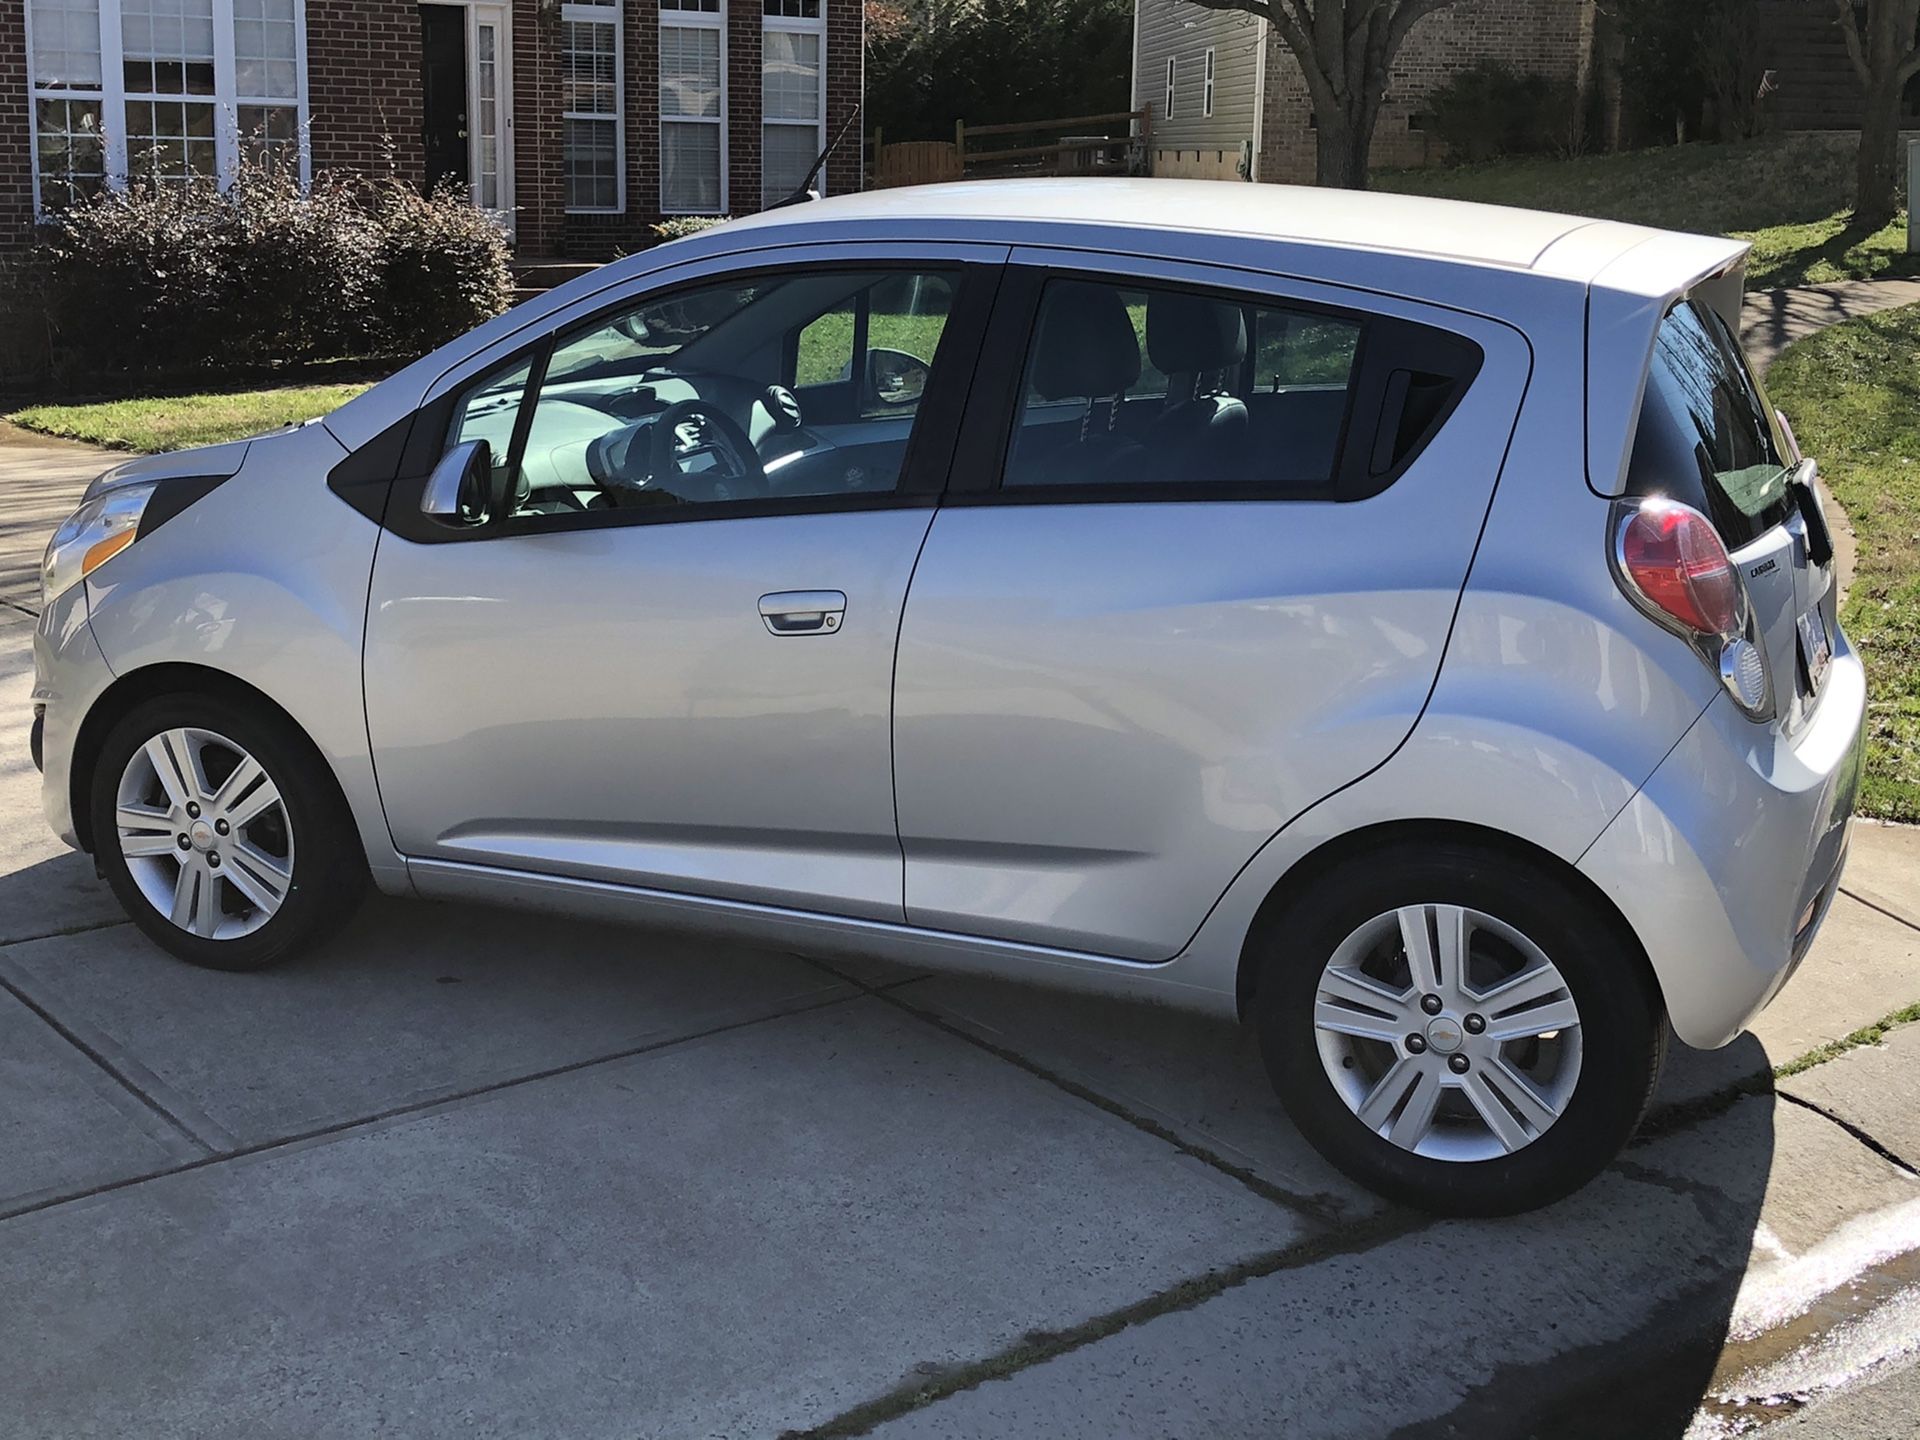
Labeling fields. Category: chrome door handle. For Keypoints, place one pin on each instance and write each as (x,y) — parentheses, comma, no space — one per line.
(803,612)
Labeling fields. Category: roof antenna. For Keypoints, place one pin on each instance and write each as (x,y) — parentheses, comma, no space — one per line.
(806,192)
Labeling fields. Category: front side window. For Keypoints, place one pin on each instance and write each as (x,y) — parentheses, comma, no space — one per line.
(775,389)
(1135,385)
(590,99)
(167,91)
(1707,436)
(692,107)
(792,97)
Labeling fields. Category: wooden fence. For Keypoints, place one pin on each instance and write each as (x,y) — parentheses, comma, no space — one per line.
(923,162)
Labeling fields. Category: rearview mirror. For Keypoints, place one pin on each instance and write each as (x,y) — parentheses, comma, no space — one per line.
(460,489)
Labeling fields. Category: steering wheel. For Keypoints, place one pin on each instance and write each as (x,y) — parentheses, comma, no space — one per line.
(736,472)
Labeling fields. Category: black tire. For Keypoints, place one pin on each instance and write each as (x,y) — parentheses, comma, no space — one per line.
(1622,1024)
(329,865)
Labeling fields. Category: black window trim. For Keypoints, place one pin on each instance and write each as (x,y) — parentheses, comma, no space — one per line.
(925,468)
(1387,344)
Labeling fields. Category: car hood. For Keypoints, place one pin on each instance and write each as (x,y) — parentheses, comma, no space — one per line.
(217,461)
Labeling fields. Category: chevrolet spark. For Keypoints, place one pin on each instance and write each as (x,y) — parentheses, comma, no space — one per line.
(1401,624)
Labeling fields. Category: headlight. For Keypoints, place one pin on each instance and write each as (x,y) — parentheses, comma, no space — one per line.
(103,526)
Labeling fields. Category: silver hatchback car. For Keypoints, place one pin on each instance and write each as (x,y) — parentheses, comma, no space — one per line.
(1405,625)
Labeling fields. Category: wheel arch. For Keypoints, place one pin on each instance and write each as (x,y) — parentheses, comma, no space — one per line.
(1299,879)
(150,682)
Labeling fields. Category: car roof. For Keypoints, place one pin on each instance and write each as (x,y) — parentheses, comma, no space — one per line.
(1417,225)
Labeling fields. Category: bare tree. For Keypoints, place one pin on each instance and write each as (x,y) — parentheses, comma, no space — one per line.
(1884,53)
(1346,50)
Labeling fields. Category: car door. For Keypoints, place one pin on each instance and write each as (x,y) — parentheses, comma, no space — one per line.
(655,646)
(1194,572)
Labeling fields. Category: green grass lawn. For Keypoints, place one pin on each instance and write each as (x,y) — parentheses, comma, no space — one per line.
(1789,194)
(1853,394)
(153,423)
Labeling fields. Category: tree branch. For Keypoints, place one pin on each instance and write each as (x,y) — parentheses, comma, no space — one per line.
(1409,14)
(1908,67)
(1850,32)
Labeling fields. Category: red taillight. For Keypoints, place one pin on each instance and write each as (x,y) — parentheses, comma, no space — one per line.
(1673,556)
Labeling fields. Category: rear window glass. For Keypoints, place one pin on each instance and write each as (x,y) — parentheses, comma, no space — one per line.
(1707,437)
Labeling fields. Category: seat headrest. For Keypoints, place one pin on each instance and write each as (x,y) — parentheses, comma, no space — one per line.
(1186,333)
(1087,347)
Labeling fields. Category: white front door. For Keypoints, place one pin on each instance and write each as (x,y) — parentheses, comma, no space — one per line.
(490,103)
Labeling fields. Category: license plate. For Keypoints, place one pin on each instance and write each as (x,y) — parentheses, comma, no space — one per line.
(1815,646)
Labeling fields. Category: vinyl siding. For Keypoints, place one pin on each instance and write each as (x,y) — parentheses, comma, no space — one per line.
(1163,33)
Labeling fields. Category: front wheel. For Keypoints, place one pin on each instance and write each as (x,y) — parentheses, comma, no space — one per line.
(221,832)
(1458,1030)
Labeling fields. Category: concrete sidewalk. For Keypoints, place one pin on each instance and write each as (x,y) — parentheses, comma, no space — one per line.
(1771,320)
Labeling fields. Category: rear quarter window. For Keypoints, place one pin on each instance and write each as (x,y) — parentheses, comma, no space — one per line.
(1707,435)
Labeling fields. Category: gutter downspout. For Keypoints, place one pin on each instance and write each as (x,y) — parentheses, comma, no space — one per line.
(1259,100)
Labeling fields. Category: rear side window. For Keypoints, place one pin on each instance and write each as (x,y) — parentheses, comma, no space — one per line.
(1707,436)
(1144,390)
(1137,386)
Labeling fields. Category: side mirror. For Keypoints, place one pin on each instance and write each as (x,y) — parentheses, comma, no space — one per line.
(460,489)
(895,377)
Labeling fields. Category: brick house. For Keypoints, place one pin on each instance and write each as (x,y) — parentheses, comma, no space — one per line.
(1230,103)
(578,123)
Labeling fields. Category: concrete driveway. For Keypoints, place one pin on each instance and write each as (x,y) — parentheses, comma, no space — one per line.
(475,1173)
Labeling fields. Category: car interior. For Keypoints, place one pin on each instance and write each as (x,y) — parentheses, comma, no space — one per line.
(808,385)
(794,386)
(1149,386)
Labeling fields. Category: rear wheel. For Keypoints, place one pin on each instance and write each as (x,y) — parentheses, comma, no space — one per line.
(222,833)
(1458,1030)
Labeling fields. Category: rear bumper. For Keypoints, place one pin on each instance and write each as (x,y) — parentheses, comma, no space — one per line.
(1726,861)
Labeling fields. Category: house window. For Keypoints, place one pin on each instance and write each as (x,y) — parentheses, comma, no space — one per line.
(266,80)
(1206,86)
(793,96)
(1168,112)
(693,111)
(595,138)
(170,91)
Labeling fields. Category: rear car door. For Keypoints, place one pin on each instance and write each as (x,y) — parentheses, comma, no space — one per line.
(665,658)
(1194,571)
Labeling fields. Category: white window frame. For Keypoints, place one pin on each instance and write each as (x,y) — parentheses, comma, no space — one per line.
(1206,86)
(699,20)
(813,25)
(1172,72)
(607,12)
(112,97)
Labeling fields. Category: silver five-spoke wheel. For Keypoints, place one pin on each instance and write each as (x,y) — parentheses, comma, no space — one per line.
(1447,1032)
(204,833)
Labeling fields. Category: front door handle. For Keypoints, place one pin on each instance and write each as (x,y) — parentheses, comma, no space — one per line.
(803,612)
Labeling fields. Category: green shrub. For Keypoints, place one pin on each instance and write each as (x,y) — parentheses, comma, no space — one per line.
(682,226)
(159,278)
(1490,109)
(443,267)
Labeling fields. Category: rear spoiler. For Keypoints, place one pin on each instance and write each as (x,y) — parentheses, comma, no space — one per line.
(1625,304)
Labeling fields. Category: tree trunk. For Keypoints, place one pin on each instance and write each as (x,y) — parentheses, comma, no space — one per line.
(1341,146)
(1878,171)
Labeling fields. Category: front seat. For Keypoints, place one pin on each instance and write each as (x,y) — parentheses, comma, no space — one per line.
(1086,349)
(1199,345)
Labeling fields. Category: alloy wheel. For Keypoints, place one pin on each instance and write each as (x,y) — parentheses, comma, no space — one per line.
(1447,1032)
(204,833)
